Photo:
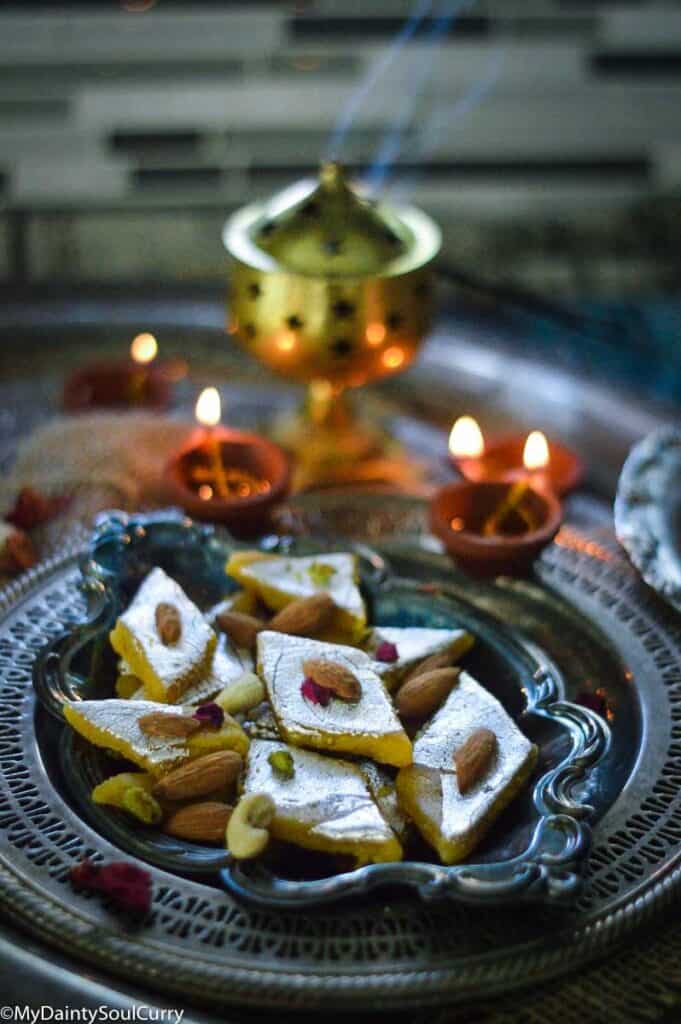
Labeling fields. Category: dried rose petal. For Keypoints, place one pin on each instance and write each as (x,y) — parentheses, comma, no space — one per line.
(32,508)
(210,714)
(126,886)
(315,693)
(85,874)
(386,652)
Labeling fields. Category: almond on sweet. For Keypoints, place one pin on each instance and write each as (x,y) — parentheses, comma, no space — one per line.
(168,623)
(422,694)
(330,675)
(199,777)
(242,629)
(169,725)
(306,616)
(474,757)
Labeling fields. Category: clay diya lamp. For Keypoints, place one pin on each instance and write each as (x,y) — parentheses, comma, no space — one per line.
(553,466)
(140,382)
(226,475)
(495,528)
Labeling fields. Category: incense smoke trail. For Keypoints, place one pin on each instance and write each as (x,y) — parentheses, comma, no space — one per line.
(366,87)
(440,119)
(391,145)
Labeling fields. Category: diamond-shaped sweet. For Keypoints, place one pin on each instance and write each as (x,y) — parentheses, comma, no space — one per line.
(114,725)
(279,580)
(166,670)
(228,664)
(414,644)
(452,822)
(322,804)
(369,727)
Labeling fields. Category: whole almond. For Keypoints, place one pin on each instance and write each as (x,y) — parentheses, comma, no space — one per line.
(442,660)
(168,623)
(332,676)
(422,694)
(201,776)
(200,823)
(241,629)
(306,616)
(158,723)
(472,759)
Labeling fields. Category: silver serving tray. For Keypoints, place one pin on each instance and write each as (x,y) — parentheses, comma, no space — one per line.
(534,854)
(597,627)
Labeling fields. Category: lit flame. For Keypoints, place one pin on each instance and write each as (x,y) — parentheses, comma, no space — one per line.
(466,440)
(375,334)
(393,357)
(536,451)
(286,341)
(205,492)
(321,390)
(208,409)
(143,348)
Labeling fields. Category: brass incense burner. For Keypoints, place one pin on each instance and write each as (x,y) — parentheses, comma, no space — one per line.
(332,289)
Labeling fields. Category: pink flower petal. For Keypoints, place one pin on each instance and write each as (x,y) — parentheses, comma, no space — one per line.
(210,714)
(386,652)
(315,693)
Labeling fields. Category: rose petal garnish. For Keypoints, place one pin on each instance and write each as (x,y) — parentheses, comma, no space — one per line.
(315,693)
(127,886)
(386,652)
(210,714)
(85,874)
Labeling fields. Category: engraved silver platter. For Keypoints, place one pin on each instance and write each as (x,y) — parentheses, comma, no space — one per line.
(601,631)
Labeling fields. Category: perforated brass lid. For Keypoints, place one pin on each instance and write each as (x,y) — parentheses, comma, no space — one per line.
(333,230)
(326,228)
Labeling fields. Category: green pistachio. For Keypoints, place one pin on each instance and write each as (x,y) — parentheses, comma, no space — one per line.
(282,763)
(142,805)
(320,573)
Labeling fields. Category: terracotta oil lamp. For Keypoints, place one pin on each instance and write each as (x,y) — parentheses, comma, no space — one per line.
(332,289)
(227,475)
(552,465)
(140,382)
(494,528)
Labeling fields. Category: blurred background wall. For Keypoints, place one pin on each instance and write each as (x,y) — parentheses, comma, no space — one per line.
(545,135)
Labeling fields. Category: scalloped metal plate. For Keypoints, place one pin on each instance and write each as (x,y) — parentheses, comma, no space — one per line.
(591,618)
(554,828)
